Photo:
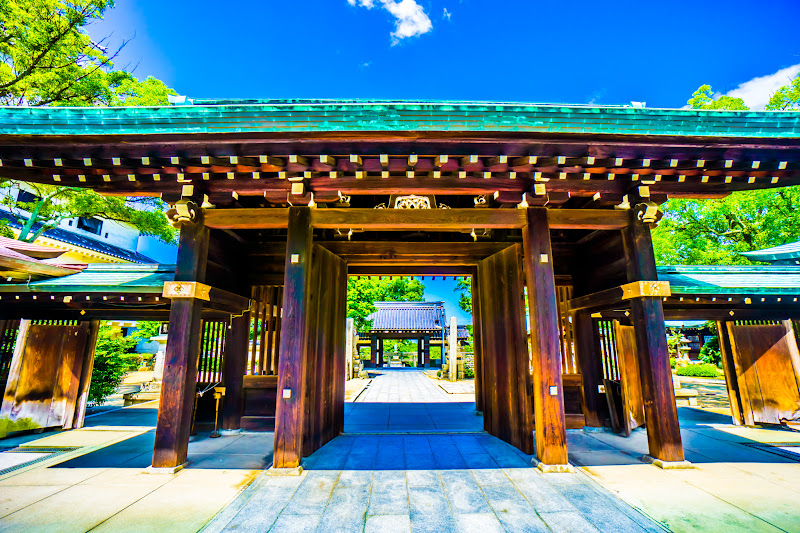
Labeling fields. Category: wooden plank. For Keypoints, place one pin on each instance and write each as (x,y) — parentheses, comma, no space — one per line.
(548,393)
(593,402)
(85,381)
(647,316)
(477,329)
(488,285)
(180,360)
(729,370)
(235,361)
(632,404)
(294,341)
(65,392)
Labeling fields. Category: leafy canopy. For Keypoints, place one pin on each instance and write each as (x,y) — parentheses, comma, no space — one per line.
(464,289)
(703,98)
(48,58)
(362,293)
(114,357)
(713,232)
(787,97)
(51,204)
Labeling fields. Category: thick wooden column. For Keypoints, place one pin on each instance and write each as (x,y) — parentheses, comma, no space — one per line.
(373,351)
(426,351)
(234,361)
(420,362)
(729,369)
(647,317)
(294,341)
(548,393)
(183,347)
(593,402)
(380,352)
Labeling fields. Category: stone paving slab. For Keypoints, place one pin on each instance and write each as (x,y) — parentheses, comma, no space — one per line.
(404,497)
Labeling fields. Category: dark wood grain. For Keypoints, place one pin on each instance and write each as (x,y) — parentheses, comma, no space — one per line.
(551,439)
(593,402)
(647,317)
(294,341)
(234,362)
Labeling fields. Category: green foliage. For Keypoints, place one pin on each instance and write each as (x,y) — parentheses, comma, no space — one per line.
(710,353)
(363,292)
(673,342)
(55,203)
(468,373)
(787,97)
(672,362)
(701,370)
(464,288)
(713,232)
(703,98)
(48,58)
(114,357)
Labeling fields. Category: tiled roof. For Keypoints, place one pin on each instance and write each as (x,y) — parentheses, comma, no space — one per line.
(280,116)
(765,279)
(408,316)
(74,239)
(776,253)
(104,277)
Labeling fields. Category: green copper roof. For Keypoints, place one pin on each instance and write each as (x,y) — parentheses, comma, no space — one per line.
(731,280)
(296,116)
(102,277)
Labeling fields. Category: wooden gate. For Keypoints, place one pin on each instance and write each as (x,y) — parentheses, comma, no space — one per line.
(506,380)
(47,378)
(767,371)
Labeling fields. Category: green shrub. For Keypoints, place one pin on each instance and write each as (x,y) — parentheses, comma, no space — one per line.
(701,370)
(468,372)
(438,373)
(114,357)
(710,353)
(672,362)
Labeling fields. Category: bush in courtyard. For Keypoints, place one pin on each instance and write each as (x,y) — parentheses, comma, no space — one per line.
(469,373)
(114,357)
(672,362)
(701,370)
(710,353)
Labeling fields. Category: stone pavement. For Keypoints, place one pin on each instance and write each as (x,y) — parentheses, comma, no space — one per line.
(407,401)
(436,483)
(102,485)
(736,486)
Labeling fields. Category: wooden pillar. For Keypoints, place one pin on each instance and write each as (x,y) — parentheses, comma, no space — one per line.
(590,363)
(477,347)
(294,341)
(234,361)
(183,346)
(420,343)
(548,393)
(426,351)
(86,374)
(380,351)
(647,317)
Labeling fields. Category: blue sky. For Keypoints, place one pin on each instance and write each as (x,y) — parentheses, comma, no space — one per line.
(534,51)
(567,52)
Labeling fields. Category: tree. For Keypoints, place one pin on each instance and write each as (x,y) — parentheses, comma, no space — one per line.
(787,97)
(114,357)
(464,288)
(45,206)
(714,232)
(362,293)
(703,98)
(48,58)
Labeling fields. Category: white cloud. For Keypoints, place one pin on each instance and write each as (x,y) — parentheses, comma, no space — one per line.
(756,92)
(410,18)
(446,15)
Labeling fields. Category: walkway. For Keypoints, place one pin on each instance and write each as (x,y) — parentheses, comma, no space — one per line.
(414,458)
(407,401)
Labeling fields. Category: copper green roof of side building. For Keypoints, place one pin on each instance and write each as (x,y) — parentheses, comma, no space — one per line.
(298,116)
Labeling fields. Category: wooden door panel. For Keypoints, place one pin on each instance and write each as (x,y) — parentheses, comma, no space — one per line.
(768,371)
(630,382)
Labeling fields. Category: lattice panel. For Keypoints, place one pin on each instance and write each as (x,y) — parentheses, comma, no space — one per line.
(265,331)
(212,347)
(608,349)
(569,364)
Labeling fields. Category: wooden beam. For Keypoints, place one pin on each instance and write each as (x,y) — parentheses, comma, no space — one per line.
(548,392)
(616,295)
(294,345)
(647,316)
(183,346)
(403,270)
